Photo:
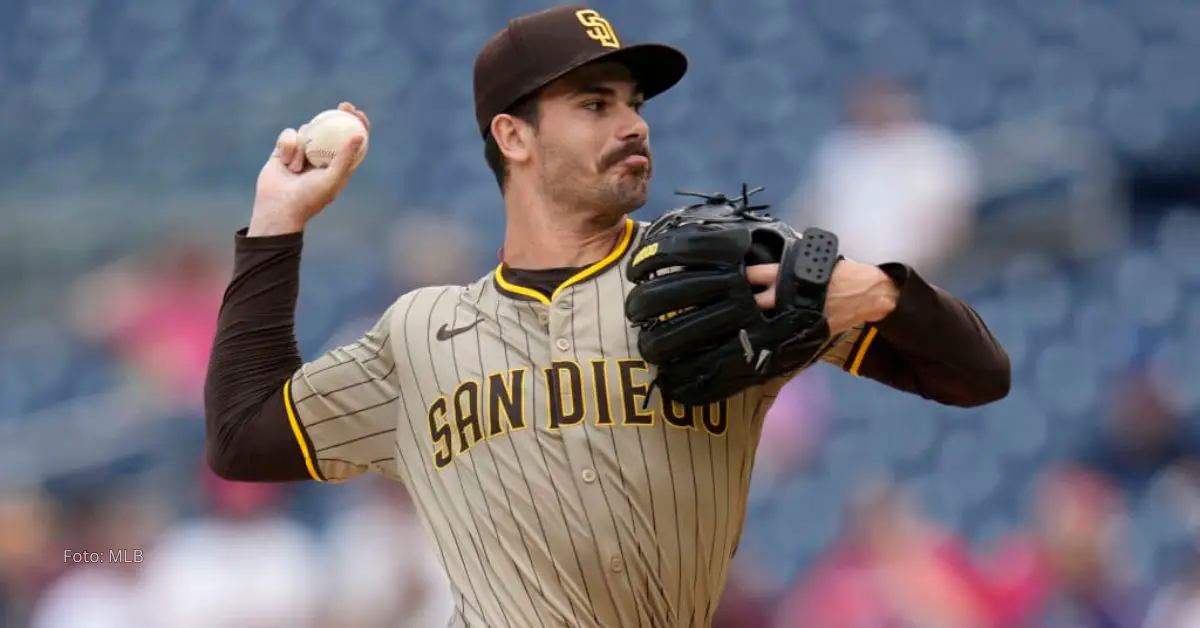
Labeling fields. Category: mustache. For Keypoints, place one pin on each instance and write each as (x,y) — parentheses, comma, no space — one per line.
(627,150)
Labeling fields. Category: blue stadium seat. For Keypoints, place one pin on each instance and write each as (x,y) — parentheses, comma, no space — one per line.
(268,76)
(334,31)
(1140,556)
(1161,66)
(1101,327)
(258,17)
(754,22)
(970,463)
(1016,426)
(812,65)
(1146,289)
(1107,39)
(161,17)
(843,458)
(42,356)
(910,433)
(169,77)
(1065,380)
(446,31)
(806,517)
(1065,80)
(1017,103)
(1051,18)
(62,16)
(993,529)
(960,91)
(224,27)
(1038,292)
(1134,120)
(1002,41)
(440,184)
(940,496)
(373,76)
(14,387)
(670,20)
(950,20)
(1154,19)
(892,44)
(842,20)
(70,169)
(1178,235)
(1190,327)
(67,76)
(92,373)
(1178,365)
(755,93)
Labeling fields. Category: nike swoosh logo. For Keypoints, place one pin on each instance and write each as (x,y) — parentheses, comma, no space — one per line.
(445,333)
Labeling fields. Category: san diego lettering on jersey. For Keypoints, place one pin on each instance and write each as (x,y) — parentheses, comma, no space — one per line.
(575,394)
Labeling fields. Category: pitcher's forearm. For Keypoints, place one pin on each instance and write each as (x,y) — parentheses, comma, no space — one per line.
(248,436)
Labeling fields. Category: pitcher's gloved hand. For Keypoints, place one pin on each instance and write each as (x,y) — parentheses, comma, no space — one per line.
(699,321)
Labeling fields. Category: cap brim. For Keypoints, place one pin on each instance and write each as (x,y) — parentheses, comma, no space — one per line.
(655,67)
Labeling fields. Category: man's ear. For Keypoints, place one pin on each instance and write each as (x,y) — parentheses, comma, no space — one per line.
(513,137)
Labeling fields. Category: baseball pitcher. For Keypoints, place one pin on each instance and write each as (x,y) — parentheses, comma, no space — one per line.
(578,427)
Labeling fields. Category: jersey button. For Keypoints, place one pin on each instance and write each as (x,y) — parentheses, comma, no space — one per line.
(588,475)
(543,318)
(616,564)
(563,344)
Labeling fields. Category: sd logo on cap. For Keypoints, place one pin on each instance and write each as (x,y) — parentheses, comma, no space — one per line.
(598,28)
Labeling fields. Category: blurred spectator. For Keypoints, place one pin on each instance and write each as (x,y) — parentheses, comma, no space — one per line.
(748,600)
(105,594)
(1177,605)
(158,313)
(1070,569)
(245,564)
(898,188)
(892,567)
(383,570)
(27,561)
(1144,437)
(793,427)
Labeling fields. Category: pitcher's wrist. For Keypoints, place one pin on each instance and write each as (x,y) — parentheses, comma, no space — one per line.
(270,223)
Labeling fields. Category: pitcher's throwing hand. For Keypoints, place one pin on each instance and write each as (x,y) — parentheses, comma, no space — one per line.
(290,191)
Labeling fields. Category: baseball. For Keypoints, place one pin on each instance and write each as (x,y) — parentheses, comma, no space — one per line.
(326,133)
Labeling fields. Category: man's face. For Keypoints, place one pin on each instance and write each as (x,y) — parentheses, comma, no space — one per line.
(592,147)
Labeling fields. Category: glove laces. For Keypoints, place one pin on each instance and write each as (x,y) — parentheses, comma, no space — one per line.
(741,204)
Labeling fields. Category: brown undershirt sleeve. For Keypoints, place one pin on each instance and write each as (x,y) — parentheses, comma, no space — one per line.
(933,345)
(248,436)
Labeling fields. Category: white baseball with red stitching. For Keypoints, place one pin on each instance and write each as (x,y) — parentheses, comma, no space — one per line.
(326,133)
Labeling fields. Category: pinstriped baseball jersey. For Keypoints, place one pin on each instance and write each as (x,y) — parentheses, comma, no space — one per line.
(559,490)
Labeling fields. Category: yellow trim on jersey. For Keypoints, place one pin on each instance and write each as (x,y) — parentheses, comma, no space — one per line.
(298,431)
(582,275)
(862,350)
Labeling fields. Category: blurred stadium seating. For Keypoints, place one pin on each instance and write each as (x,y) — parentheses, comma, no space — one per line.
(126,119)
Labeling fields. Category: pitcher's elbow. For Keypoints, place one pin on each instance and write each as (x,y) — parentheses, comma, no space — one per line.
(992,382)
(220,463)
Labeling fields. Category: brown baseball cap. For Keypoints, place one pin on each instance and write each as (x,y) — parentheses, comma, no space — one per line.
(537,48)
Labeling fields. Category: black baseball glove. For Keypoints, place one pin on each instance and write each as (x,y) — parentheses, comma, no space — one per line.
(698,320)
